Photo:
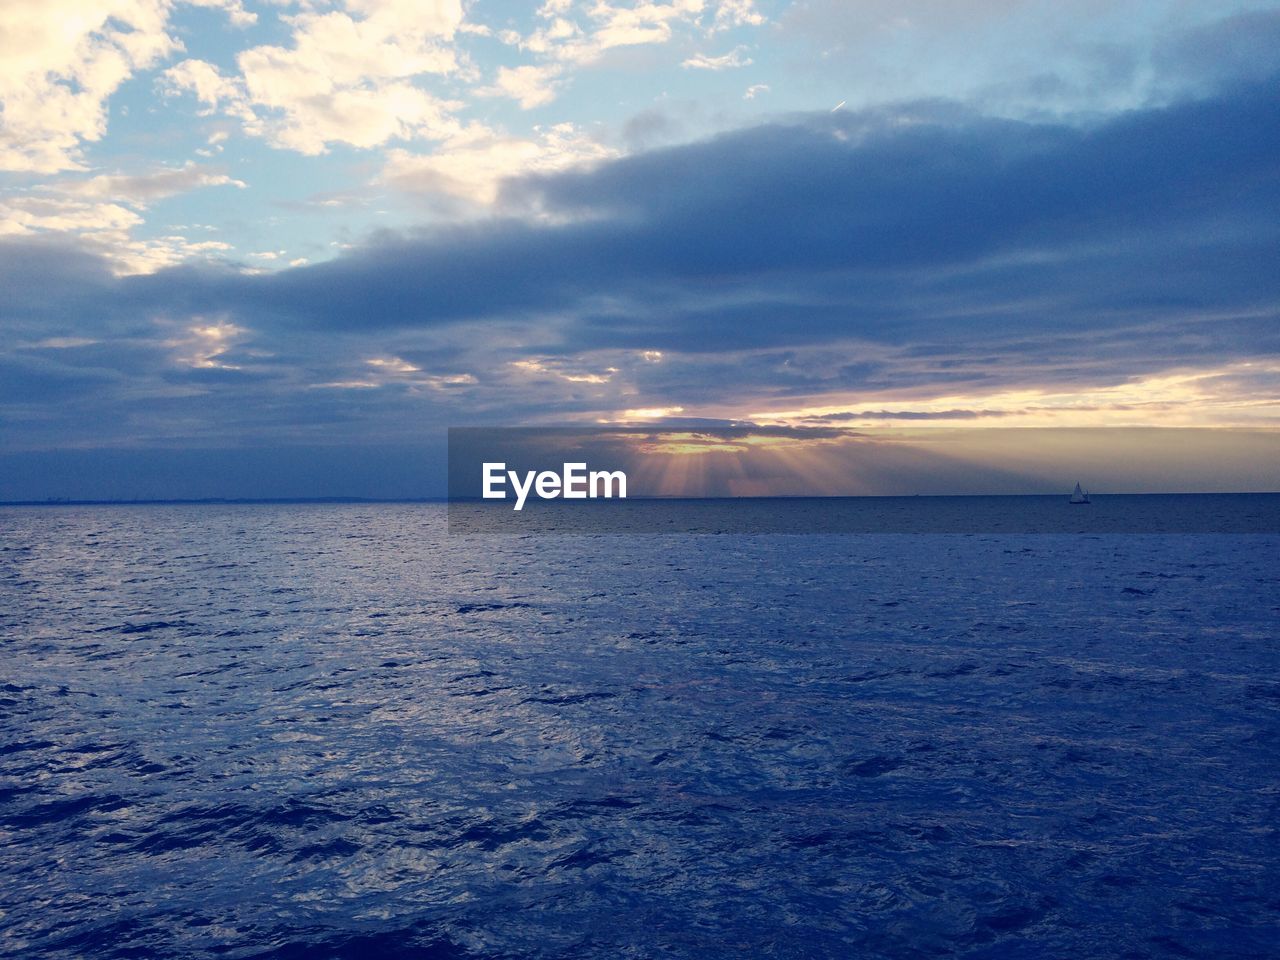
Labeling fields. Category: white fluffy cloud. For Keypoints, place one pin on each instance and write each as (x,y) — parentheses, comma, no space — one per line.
(572,38)
(209,87)
(473,165)
(30,214)
(104,212)
(234,9)
(350,72)
(59,62)
(614,25)
(347,76)
(102,226)
(734,58)
(532,85)
(737,13)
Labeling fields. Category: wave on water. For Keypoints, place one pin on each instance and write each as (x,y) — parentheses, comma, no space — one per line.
(338,731)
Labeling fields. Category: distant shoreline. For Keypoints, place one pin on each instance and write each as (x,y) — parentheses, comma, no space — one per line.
(216,501)
(373,501)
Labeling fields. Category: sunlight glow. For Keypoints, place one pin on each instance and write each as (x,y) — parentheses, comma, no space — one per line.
(1240,394)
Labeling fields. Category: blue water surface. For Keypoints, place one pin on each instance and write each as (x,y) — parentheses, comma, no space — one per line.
(315,731)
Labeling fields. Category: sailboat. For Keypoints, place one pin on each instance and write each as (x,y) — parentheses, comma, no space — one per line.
(1079,496)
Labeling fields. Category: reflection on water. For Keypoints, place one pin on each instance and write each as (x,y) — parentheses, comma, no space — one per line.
(337,731)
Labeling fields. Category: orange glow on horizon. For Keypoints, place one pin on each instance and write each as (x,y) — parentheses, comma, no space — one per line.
(1241,395)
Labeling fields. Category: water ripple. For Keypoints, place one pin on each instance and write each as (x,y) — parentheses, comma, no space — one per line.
(336,732)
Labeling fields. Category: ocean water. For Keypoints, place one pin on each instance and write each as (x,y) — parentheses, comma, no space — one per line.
(1108,514)
(317,731)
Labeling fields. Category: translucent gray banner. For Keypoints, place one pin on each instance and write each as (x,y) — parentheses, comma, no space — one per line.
(752,480)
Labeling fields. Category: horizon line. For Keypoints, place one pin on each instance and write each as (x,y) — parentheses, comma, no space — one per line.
(337,500)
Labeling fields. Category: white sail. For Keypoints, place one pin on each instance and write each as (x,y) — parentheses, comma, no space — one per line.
(1078,495)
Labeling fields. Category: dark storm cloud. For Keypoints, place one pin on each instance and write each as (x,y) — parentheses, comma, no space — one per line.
(1240,47)
(899,248)
(846,225)
(864,224)
(51,287)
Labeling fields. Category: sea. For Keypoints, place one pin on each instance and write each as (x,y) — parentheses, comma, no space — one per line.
(288,731)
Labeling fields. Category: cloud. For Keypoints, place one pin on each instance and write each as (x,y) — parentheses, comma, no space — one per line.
(141,189)
(641,23)
(849,415)
(211,89)
(648,414)
(348,76)
(33,213)
(1245,47)
(737,13)
(568,371)
(59,62)
(907,262)
(828,210)
(103,227)
(234,9)
(531,86)
(204,344)
(651,128)
(1027,59)
(733,59)
(104,212)
(474,165)
(566,42)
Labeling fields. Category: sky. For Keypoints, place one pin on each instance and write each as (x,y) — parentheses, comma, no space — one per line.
(277,249)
